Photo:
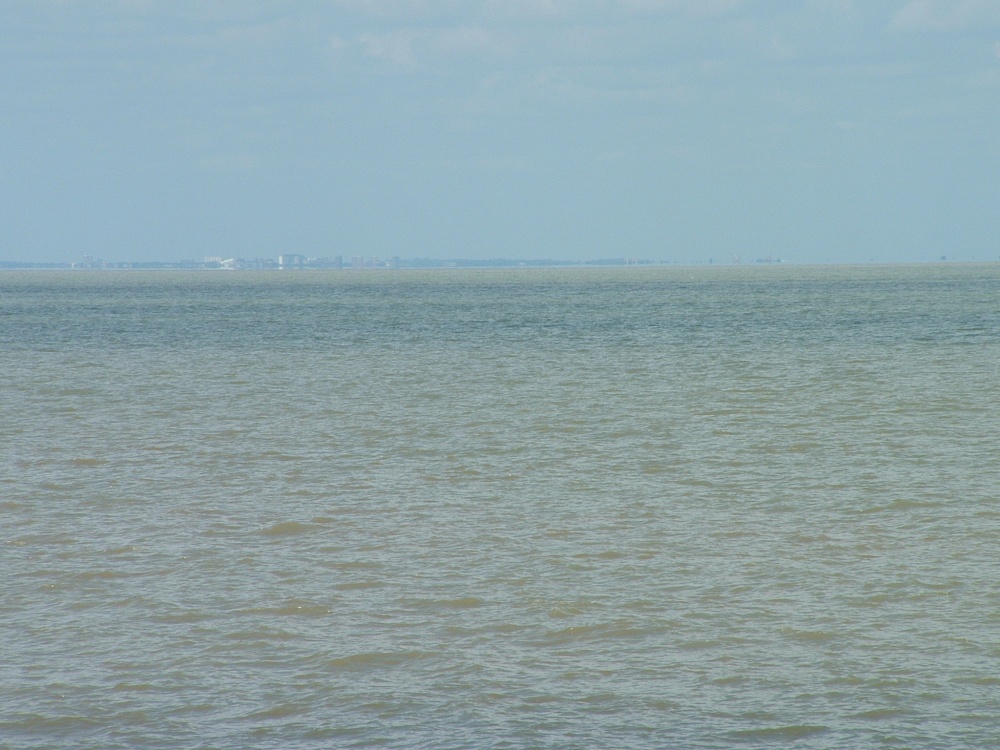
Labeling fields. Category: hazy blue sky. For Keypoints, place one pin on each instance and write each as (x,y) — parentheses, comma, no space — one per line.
(811,130)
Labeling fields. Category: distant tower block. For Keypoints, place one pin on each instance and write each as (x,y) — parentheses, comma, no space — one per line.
(291,261)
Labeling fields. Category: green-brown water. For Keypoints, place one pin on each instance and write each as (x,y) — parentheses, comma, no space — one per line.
(635,508)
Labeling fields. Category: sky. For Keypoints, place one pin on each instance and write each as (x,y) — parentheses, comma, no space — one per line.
(673,130)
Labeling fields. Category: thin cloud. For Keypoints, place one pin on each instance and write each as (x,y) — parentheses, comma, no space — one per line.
(395,47)
(412,47)
(946,15)
(689,7)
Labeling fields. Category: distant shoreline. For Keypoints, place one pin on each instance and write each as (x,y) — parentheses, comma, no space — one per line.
(354,264)
(397,264)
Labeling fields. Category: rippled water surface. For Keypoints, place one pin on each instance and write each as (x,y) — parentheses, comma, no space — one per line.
(628,508)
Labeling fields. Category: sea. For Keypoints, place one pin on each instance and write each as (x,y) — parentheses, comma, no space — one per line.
(635,508)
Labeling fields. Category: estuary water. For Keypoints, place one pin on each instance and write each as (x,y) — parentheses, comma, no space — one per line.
(574,508)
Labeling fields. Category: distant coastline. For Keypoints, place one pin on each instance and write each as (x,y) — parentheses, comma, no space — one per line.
(301,262)
(391,264)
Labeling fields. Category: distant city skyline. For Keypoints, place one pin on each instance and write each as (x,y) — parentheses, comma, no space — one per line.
(356,262)
(819,131)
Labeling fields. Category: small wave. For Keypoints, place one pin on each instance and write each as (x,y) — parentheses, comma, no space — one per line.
(573,608)
(294,608)
(539,700)
(506,628)
(99,575)
(133,687)
(288,528)
(984,681)
(78,392)
(263,635)
(277,712)
(779,734)
(355,585)
(182,617)
(880,714)
(277,456)
(88,462)
(60,486)
(664,704)
(902,505)
(611,554)
(731,680)
(464,602)
(41,539)
(353,565)
(35,722)
(699,645)
(602,631)
(375,660)
(808,636)
(125,550)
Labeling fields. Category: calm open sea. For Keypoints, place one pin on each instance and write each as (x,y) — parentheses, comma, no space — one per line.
(582,508)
